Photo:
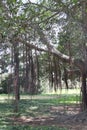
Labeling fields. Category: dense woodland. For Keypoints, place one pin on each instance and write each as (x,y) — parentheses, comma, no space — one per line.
(45,40)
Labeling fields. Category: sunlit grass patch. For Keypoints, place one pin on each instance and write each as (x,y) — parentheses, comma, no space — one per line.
(75,91)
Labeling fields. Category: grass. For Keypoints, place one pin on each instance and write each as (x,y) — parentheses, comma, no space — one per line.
(32,106)
(18,127)
(65,91)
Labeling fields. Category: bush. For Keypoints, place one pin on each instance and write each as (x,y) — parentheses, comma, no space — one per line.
(6,85)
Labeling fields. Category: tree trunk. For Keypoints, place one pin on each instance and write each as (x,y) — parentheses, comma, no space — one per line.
(84,92)
(37,84)
(26,71)
(84,75)
(16,75)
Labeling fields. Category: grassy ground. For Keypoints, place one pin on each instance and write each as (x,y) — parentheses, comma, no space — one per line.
(33,107)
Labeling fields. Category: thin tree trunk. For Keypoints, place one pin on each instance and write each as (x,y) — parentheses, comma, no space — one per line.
(16,75)
(84,92)
(37,72)
(27,72)
(84,28)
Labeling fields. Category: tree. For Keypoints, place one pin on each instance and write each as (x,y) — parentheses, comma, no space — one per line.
(65,7)
(37,25)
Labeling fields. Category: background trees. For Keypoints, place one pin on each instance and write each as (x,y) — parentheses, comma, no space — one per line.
(52,31)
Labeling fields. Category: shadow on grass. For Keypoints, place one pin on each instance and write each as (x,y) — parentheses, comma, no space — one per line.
(5,112)
(31,108)
(18,127)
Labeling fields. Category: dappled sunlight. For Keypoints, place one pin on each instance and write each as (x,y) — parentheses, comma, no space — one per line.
(33,108)
(75,91)
(39,110)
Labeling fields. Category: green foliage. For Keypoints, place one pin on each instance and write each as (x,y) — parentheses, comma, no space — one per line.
(6,85)
(3,86)
(75,1)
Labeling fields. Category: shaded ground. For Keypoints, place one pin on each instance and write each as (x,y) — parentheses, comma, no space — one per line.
(56,111)
(67,117)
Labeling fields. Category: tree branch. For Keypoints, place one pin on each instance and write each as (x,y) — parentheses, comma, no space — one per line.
(50,47)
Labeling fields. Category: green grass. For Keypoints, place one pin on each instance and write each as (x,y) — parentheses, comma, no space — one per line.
(65,91)
(18,127)
(32,106)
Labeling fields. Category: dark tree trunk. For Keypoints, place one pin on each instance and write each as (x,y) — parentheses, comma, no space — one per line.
(26,71)
(37,89)
(84,92)
(84,28)
(32,89)
(23,76)
(16,75)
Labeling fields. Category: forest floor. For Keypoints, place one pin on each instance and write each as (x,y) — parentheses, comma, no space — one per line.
(68,117)
(59,112)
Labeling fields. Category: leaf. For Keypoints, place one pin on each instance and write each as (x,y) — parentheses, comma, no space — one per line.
(75,1)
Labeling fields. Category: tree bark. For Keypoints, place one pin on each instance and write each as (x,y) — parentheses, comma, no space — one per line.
(84,72)
(84,92)
(16,75)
